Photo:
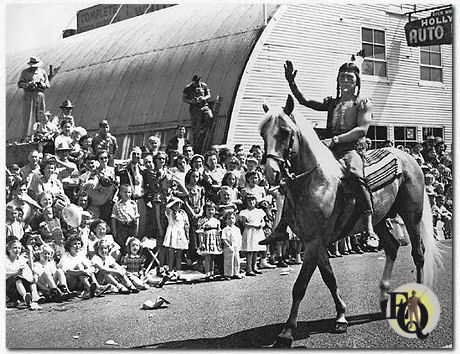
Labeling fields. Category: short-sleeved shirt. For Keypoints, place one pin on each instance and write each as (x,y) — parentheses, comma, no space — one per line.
(125,212)
(108,261)
(12,267)
(68,261)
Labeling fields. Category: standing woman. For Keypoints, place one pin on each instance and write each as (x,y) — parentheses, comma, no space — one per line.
(348,119)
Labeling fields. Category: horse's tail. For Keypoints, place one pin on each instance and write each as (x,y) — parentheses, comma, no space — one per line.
(433,250)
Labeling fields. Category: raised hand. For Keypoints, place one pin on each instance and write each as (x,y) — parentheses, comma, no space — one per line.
(289,72)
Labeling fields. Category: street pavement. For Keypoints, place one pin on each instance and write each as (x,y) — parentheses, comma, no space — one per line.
(236,314)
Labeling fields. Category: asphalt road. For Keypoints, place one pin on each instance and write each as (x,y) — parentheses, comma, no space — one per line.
(247,313)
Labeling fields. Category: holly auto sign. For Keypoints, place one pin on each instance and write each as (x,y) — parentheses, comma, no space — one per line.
(433,30)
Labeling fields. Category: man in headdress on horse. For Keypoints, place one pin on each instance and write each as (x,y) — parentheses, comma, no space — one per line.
(348,119)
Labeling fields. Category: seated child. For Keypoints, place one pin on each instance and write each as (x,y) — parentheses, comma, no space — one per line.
(109,271)
(79,272)
(99,229)
(20,283)
(50,280)
(134,263)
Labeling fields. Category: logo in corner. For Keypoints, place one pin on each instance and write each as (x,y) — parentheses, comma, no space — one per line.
(413,310)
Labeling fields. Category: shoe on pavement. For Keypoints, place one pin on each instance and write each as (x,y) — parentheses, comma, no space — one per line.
(134,290)
(86,295)
(250,274)
(34,306)
(256,271)
(123,290)
(263,264)
(28,299)
(101,290)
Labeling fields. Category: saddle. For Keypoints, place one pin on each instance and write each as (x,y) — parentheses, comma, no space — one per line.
(381,167)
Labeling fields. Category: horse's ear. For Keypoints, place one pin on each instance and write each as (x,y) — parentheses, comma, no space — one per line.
(265,107)
(289,105)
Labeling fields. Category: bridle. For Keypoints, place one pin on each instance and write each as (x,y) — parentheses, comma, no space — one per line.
(284,162)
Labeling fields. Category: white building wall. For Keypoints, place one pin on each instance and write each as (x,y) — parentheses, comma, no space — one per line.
(318,39)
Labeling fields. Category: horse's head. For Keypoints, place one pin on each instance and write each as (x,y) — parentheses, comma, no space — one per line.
(278,131)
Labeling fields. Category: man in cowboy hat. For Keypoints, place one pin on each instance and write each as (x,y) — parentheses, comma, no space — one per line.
(34,81)
(197,94)
(66,112)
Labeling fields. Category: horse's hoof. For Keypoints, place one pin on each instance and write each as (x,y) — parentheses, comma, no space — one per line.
(283,342)
(383,306)
(340,327)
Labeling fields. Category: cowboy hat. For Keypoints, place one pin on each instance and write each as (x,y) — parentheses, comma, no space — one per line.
(34,62)
(66,104)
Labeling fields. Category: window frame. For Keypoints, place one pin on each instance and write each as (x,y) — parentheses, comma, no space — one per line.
(377,142)
(431,127)
(430,66)
(405,142)
(383,61)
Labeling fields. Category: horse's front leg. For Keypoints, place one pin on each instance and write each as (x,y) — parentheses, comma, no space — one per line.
(310,261)
(329,279)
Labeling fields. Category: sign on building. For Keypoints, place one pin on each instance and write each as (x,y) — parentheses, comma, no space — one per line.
(433,30)
(101,15)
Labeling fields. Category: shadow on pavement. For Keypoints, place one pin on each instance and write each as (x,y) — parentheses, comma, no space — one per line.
(264,336)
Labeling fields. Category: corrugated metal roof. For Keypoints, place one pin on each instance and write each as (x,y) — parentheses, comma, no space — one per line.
(132,73)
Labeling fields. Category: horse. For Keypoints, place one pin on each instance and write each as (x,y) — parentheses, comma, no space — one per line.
(320,210)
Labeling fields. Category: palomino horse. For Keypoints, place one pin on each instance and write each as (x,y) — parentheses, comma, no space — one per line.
(319,211)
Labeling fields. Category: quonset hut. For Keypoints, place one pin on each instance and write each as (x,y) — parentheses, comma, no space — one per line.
(132,73)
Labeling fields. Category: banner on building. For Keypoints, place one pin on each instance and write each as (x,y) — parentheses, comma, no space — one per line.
(433,30)
(104,14)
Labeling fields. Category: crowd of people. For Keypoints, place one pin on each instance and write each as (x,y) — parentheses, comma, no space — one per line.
(81,223)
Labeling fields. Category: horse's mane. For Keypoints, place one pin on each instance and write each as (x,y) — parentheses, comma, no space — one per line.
(330,166)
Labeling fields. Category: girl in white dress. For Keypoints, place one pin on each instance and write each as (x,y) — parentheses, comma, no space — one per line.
(177,232)
(253,222)
(209,238)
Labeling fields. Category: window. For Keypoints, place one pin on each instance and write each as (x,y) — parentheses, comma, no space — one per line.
(405,136)
(432,131)
(378,135)
(373,42)
(430,63)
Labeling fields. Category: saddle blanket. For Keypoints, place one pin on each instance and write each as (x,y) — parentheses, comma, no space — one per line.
(381,167)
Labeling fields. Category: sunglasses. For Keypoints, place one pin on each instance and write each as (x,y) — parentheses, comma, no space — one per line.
(103,158)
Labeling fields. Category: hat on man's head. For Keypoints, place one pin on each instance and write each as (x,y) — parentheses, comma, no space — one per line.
(66,104)
(196,78)
(64,146)
(34,62)
(104,123)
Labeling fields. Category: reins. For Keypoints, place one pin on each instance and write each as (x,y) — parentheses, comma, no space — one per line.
(285,163)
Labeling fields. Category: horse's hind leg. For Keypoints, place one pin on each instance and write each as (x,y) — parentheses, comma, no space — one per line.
(329,279)
(310,261)
(390,245)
